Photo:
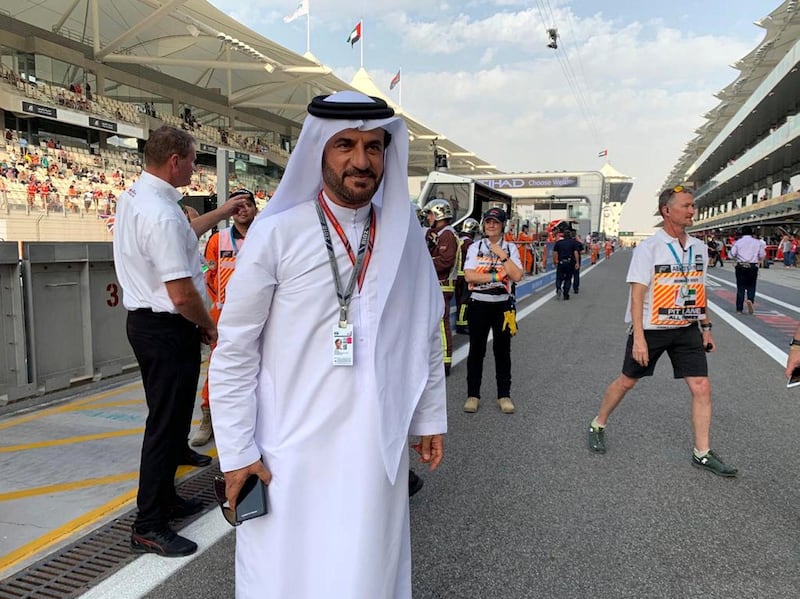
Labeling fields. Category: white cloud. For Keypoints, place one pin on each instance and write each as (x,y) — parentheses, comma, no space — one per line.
(480,73)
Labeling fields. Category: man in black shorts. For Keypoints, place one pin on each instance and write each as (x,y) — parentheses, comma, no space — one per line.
(667,313)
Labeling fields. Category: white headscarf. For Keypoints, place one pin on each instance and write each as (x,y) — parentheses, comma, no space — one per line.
(410,303)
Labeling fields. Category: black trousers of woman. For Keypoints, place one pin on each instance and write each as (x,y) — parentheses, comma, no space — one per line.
(483,317)
(167,347)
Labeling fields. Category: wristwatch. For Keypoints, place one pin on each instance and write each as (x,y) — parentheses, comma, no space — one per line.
(794,341)
(504,260)
(707,327)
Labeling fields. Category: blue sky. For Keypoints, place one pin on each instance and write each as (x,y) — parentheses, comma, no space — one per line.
(479,72)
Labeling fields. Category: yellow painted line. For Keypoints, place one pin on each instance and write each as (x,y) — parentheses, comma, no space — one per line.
(66,407)
(70,486)
(111,404)
(71,440)
(65,531)
(72,527)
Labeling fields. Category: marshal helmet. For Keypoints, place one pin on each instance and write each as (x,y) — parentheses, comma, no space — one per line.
(441,209)
(470,226)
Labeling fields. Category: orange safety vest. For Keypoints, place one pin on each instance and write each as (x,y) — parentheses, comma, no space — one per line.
(227,249)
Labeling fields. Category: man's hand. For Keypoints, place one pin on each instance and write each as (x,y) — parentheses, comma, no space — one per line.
(234,480)
(431,450)
(793,361)
(208,336)
(639,351)
(232,206)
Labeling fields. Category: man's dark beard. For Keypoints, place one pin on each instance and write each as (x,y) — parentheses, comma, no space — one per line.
(358,197)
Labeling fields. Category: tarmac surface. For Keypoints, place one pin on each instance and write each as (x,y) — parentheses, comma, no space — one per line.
(520,508)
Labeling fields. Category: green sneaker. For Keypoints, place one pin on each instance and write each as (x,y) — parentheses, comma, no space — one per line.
(712,462)
(597,439)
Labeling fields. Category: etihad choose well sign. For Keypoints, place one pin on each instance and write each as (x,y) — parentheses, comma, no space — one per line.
(530,182)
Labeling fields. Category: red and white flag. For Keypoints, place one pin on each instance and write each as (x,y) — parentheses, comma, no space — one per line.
(395,80)
(355,35)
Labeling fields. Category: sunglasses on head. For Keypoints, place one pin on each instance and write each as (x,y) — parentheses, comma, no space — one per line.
(222,500)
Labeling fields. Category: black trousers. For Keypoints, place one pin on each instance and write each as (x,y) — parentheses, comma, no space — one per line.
(745,284)
(576,279)
(564,272)
(167,347)
(483,317)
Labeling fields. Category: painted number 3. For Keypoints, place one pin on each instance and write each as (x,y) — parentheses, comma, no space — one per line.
(113,294)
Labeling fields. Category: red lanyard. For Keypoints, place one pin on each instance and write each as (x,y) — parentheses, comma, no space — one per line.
(370,241)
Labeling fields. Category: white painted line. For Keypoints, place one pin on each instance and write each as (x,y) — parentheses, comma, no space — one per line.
(760,342)
(777,302)
(149,571)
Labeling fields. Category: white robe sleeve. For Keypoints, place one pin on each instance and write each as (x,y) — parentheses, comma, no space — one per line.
(236,361)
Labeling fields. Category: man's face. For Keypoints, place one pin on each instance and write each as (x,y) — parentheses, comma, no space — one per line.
(352,166)
(680,210)
(245,214)
(431,218)
(183,168)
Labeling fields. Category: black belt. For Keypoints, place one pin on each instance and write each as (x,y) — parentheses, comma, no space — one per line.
(151,312)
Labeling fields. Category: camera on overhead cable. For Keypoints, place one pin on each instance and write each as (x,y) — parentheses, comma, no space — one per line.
(552,33)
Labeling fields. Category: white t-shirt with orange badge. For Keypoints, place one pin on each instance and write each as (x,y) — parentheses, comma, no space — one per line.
(675,277)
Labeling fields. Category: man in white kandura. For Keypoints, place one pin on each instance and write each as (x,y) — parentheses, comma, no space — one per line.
(336,254)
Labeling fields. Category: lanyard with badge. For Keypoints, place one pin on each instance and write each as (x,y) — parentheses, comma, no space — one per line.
(685,293)
(343,331)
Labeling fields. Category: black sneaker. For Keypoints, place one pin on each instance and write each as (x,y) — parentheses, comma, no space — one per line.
(597,439)
(558,294)
(162,542)
(183,508)
(414,483)
(712,462)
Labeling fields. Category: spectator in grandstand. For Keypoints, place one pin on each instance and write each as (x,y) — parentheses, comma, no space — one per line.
(491,267)
(274,385)
(158,265)
(221,251)
(748,253)
(664,312)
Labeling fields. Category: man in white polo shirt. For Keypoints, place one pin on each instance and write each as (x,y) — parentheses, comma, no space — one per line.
(667,312)
(158,265)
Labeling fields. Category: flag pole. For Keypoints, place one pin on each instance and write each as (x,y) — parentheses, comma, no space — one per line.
(361,22)
(400,85)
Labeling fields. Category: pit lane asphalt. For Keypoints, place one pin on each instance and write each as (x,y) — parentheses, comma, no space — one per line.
(521,509)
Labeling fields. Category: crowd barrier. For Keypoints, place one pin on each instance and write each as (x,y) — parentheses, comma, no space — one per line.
(64,321)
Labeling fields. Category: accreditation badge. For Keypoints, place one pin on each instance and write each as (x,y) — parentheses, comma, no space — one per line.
(343,345)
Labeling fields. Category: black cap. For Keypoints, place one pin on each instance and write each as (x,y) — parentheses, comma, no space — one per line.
(496,213)
(377,109)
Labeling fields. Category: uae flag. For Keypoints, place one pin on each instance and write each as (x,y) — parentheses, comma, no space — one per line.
(355,35)
(603,153)
(395,80)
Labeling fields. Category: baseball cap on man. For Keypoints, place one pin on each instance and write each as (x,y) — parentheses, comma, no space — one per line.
(497,214)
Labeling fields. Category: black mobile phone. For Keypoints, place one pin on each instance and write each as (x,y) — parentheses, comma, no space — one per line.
(252,500)
(794,380)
